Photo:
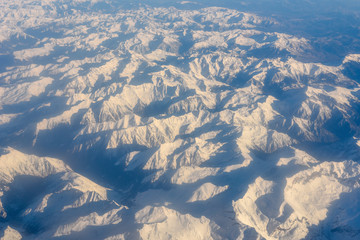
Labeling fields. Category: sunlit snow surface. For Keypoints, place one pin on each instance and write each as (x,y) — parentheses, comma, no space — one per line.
(137,121)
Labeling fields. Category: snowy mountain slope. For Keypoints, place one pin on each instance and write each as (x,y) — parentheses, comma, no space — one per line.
(163,223)
(306,200)
(34,189)
(205,123)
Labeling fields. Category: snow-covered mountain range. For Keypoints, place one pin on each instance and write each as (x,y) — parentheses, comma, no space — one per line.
(184,122)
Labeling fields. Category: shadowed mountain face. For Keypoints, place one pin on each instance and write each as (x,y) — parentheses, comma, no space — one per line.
(179,120)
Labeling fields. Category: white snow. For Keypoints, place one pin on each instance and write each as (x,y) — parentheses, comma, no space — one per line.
(34,52)
(93,219)
(11,234)
(207,191)
(308,195)
(14,163)
(165,223)
(192,174)
(6,118)
(23,92)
